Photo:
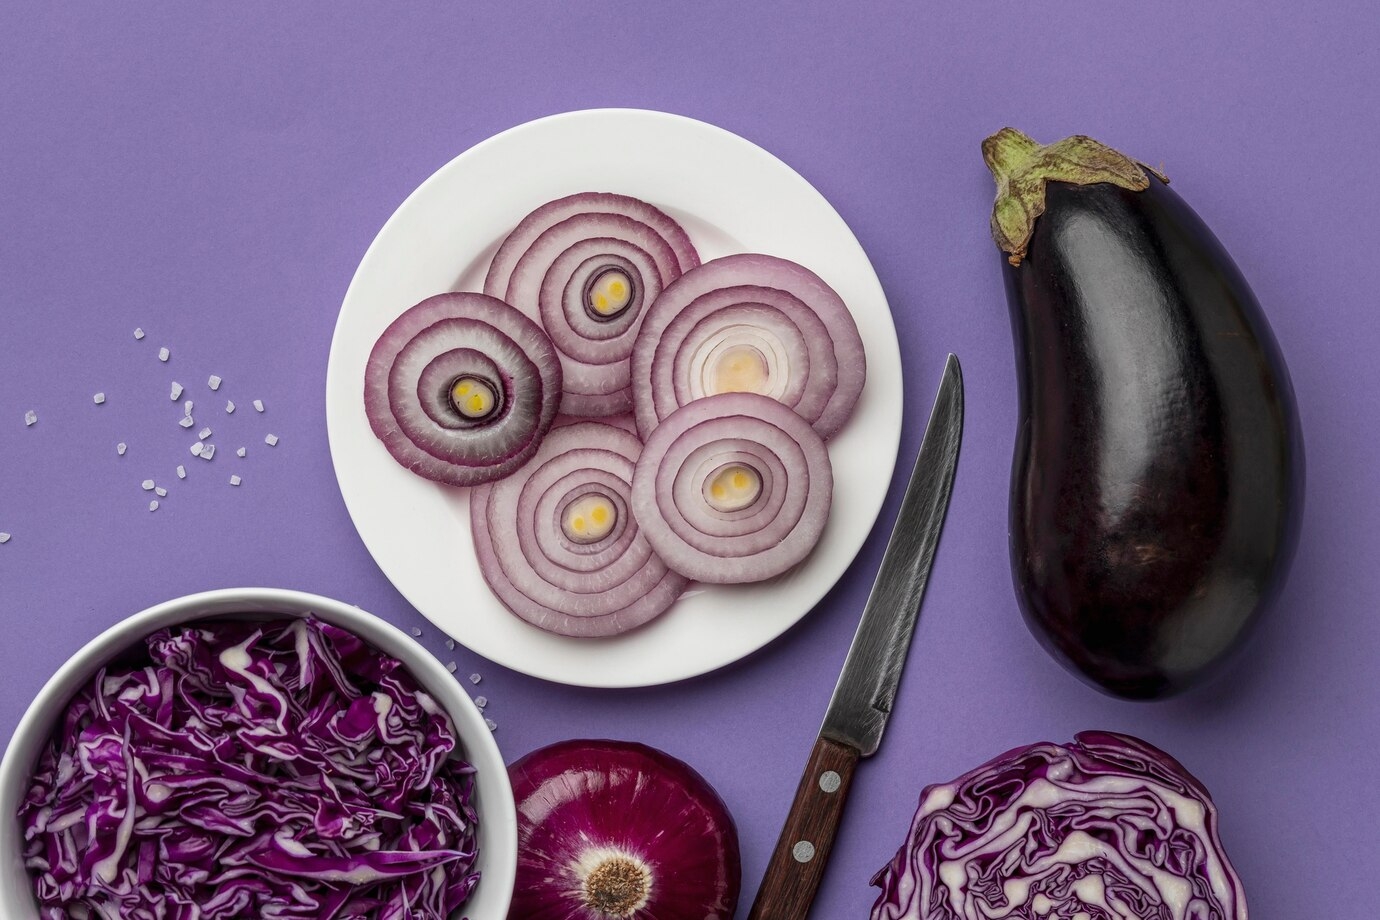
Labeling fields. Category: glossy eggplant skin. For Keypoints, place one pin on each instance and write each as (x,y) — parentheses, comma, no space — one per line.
(1158,477)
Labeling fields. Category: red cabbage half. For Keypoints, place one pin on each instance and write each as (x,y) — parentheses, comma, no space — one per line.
(240,769)
(1106,828)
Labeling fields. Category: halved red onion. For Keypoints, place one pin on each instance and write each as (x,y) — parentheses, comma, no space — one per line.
(586,267)
(733,488)
(462,388)
(558,542)
(749,323)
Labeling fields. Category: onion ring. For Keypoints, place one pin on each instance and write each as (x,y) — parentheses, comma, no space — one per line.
(608,584)
(752,434)
(426,352)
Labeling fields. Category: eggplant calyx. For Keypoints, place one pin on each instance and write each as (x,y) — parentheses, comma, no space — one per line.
(1023,167)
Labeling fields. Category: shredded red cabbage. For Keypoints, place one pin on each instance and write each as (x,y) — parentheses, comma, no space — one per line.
(241,769)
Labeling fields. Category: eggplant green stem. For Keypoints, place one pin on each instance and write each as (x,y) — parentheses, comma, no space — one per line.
(1022,168)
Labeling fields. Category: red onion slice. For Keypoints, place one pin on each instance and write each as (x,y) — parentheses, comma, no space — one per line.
(606,582)
(673,494)
(587,267)
(671,353)
(421,359)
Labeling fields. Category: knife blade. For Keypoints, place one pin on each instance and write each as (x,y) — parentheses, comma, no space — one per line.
(867,685)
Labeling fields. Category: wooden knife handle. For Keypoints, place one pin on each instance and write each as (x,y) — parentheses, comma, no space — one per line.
(797,864)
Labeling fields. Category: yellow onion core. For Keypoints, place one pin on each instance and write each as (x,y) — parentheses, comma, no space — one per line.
(738,369)
(589,518)
(610,294)
(733,487)
(473,397)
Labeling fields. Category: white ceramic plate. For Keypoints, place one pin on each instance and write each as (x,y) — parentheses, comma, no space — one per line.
(731,196)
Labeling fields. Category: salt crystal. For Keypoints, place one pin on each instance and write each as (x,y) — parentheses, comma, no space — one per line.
(177,392)
(481,701)
(138,333)
(148,485)
(229,407)
(4,537)
(187,407)
(164,354)
(186,421)
(258,405)
(271,440)
(235,480)
(450,666)
(161,492)
(153,506)
(204,433)
(450,643)
(416,632)
(213,382)
(181,471)
(475,678)
(492,725)
(241,452)
(98,399)
(197,448)
(121,448)
(30,417)
(208,451)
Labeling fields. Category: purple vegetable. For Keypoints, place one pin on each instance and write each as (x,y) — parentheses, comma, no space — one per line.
(558,544)
(586,267)
(749,323)
(1108,827)
(274,770)
(461,388)
(611,829)
(733,488)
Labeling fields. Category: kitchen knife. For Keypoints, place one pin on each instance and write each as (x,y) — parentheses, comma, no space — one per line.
(867,685)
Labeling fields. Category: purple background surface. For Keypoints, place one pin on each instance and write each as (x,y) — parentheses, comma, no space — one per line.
(215,174)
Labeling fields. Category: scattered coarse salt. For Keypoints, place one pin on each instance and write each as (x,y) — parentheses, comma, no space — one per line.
(235,480)
(197,448)
(258,405)
(204,433)
(138,333)
(4,537)
(229,407)
(98,399)
(163,355)
(186,421)
(148,485)
(153,505)
(30,417)
(177,392)
(161,492)
(213,382)
(181,471)
(450,643)
(187,407)
(271,440)
(481,701)
(491,724)
(451,666)
(416,632)
(121,448)
(475,678)
(208,451)
(241,452)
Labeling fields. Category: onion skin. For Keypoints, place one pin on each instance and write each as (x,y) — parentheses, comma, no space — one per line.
(580,796)
(1158,476)
(1050,830)
(470,333)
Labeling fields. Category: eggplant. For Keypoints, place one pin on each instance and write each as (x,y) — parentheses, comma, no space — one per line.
(1158,476)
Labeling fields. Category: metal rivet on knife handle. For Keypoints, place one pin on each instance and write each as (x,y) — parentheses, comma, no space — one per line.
(803,851)
(830,781)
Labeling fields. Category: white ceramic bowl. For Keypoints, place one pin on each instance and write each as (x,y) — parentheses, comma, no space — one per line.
(498,820)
